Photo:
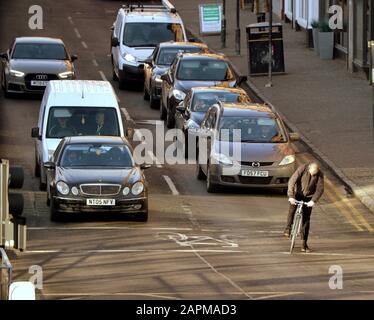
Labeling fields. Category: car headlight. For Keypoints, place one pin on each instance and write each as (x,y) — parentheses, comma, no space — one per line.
(158,79)
(63,188)
(179,95)
(129,58)
(66,74)
(75,191)
(287,160)
(18,74)
(137,188)
(126,191)
(192,124)
(223,159)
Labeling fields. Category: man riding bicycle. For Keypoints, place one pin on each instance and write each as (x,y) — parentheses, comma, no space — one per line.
(306,184)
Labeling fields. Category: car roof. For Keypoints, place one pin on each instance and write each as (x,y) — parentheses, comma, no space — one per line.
(81,93)
(96,139)
(182,44)
(38,40)
(218,89)
(150,16)
(247,109)
(207,56)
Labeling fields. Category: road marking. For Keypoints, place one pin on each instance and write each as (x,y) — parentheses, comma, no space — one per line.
(352,255)
(95,63)
(97,294)
(102,75)
(84,44)
(171,185)
(187,210)
(109,228)
(134,250)
(126,114)
(71,20)
(77,33)
(150,122)
(154,159)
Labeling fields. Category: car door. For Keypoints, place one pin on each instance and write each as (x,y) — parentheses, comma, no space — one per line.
(182,117)
(167,86)
(116,51)
(5,62)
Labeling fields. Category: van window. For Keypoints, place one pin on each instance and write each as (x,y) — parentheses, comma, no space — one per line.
(82,121)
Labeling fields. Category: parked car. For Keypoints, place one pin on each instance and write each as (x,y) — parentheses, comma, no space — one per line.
(74,108)
(30,62)
(191,111)
(266,158)
(160,61)
(193,70)
(96,174)
(136,32)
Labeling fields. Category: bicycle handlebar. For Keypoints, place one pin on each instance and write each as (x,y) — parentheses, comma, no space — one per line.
(299,202)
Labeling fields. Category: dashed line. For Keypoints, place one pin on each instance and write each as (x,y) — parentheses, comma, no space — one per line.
(154,159)
(95,63)
(71,20)
(84,44)
(77,33)
(102,75)
(134,250)
(171,185)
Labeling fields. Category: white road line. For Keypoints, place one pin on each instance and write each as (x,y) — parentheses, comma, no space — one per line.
(353,255)
(84,45)
(171,185)
(95,63)
(77,33)
(102,75)
(126,114)
(109,228)
(71,20)
(134,250)
(154,159)
(187,210)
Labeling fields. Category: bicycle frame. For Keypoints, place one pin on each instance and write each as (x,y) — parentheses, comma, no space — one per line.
(297,222)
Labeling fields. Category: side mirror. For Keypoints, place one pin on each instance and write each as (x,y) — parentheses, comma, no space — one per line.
(294,136)
(73,57)
(114,42)
(242,79)
(180,107)
(35,133)
(165,77)
(145,166)
(4,55)
(149,61)
(49,165)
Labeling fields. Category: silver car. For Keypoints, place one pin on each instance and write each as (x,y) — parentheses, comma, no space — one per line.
(244,145)
(30,62)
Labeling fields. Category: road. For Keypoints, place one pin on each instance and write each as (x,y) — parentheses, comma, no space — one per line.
(196,245)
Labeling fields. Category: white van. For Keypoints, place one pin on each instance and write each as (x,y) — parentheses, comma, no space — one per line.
(74,108)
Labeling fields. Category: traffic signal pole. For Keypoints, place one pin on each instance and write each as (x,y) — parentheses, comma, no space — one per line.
(237,31)
(223,31)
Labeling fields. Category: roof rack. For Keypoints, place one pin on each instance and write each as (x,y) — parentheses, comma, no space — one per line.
(164,6)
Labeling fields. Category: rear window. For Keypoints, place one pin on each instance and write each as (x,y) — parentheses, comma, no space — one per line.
(77,121)
(40,51)
(204,70)
(166,56)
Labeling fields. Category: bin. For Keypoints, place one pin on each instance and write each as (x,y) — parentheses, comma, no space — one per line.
(258,48)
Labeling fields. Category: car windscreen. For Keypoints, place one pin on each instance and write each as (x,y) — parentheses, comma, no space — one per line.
(96,155)
(49,51)
(251,130)
(151,34)
(202,101)
(166,56)
(204,70)
(82,121)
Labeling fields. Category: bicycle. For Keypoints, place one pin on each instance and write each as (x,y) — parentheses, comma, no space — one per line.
(297,222)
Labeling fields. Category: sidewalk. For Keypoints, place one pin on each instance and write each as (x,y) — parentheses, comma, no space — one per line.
(329,107)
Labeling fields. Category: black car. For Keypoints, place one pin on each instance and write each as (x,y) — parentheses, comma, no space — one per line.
(159,62)
(191,111)
(193,70)
(95,174)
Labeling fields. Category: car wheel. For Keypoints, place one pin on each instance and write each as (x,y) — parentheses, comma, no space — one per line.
(170,120)
(154,103)
(200,175)
(114,76)
(53,212)
(37,170)
(210,186)
(162,111)
(145,93)
(42,186)
(122,82)
(141,217)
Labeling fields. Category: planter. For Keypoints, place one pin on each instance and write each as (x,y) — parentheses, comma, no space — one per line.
(326,45)
(316,40)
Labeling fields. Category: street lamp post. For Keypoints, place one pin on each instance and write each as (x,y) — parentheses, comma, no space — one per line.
(223,31)
(237,31)
(270,83)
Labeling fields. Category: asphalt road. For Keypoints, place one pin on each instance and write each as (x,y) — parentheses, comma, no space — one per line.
(196,245)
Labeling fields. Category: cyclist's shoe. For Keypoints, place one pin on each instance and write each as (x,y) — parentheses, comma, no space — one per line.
(306,249)
(286,233)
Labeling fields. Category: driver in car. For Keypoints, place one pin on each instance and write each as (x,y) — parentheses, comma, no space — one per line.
(62,129)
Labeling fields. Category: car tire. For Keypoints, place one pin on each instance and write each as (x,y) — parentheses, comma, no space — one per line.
(42,186)
(54,215)
(162,111)
(122,82)
(154,103)
(145,93)
(200,175)
(170,120)
(114,76)
(141,217)
(37,170)
(210,186)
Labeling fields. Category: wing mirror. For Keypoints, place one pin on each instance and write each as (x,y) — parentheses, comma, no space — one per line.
(4,55)
(73,57)
(148,61)
(294,136)
(49,165)
(242,79)
(35,133)
(145,166)
(180,107)
(115,42)
(165,77)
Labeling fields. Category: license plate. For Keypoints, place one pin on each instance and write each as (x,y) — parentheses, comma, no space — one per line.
(101,202)
(38,83)
(255,173)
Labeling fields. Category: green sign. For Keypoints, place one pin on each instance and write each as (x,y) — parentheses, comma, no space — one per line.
(210,18)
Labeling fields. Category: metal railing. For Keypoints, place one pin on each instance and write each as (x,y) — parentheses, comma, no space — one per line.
(6,271)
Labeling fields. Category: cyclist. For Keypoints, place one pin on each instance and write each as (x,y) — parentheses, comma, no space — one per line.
(306,184)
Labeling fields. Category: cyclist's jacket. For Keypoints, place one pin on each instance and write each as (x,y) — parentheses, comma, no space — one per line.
(302,183)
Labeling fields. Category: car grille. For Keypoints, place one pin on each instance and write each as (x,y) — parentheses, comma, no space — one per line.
(100,189)
(255,180)
(33,76)
(262,164)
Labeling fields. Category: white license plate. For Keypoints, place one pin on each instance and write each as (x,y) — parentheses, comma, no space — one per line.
(101,202)
(37,83)
(255,173)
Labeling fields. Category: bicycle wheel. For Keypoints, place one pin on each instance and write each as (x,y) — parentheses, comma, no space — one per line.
(295,228)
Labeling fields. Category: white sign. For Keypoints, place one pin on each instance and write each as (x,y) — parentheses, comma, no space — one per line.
(210,16)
